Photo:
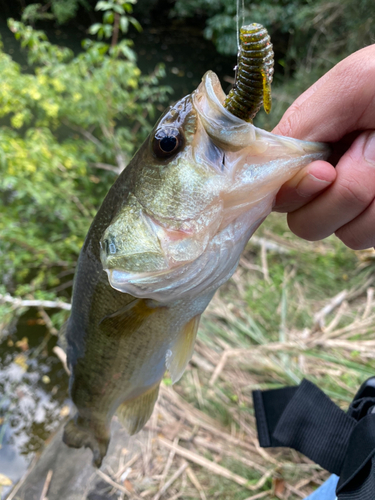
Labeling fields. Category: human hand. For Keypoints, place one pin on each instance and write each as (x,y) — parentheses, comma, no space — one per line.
(338,109)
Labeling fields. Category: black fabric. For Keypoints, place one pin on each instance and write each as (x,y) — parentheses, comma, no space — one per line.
(360,453)
(305,419)
(269,406)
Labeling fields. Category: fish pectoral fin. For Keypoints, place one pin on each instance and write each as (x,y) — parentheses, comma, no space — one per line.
(134,414)
(78,432)
(181,351)
(133,315)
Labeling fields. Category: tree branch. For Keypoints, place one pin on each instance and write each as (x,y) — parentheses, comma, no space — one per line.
(120,157)
(116,26)
(121,162)
(34,303)
(106,166)
(84,132)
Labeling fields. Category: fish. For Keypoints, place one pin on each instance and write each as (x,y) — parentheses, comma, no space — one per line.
(168,234)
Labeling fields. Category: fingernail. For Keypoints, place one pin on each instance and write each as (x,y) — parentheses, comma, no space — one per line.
(311,185)
(369,149)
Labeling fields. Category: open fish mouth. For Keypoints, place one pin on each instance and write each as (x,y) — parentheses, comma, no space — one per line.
(233,133)
(220,185)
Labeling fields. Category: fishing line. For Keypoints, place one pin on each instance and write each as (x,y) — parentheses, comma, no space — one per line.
(240,12)
(238,25)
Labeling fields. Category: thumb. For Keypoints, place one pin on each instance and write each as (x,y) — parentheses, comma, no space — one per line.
(306,185)
(347,207)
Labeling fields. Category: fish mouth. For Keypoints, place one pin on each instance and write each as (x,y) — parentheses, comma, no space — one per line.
(194,257)
(233,134)
(125,281)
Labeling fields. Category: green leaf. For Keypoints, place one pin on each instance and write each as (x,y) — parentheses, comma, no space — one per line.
(124,24)
(108,17)
(128,8)
(107,30)
(94,28)
(104,5)
(117,8)
(135,23)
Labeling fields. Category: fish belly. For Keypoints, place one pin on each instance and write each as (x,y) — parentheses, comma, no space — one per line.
(123,363)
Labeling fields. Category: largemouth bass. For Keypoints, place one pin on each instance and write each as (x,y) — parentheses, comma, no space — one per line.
(170,231)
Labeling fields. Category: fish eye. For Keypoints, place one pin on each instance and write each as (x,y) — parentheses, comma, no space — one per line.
(167,142)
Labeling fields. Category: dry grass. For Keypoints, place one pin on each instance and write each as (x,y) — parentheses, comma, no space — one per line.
(293,309)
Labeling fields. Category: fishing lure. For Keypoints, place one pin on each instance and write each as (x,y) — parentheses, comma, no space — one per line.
(254,72)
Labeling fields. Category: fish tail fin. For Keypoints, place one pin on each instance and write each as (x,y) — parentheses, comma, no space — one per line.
(81,434)
(134,414)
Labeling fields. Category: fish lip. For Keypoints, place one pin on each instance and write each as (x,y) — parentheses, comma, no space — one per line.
(225,129)
(230,132)
(295,145)
(216,96)
(126,282)
(115,283)
(132,275)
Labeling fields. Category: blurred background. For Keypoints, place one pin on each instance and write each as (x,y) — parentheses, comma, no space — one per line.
(81,84)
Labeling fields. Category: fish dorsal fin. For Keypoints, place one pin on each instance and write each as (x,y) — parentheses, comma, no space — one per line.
(134,414)
(182,349)
(132,315)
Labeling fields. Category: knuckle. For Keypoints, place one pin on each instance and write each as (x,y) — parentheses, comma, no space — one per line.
(354,192)
(361,64)
(289,122)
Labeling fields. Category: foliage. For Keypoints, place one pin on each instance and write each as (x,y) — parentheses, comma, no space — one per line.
(309,37)
(72,124)
(59,10)
(116,16)
(304,30)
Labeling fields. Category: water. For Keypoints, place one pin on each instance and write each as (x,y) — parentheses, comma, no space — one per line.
(186,57)
(33,388)
(33,384)
(181,48)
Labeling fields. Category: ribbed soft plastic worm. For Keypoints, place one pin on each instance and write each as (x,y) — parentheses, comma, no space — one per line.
(254,73)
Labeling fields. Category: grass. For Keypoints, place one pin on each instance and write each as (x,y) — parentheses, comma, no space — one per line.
(293,309)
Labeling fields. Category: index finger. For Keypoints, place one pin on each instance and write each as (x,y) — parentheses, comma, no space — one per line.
(342,101)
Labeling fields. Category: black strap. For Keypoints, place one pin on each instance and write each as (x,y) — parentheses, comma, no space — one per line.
(305,419)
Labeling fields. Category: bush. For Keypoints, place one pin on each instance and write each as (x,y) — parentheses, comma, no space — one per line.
(72,124)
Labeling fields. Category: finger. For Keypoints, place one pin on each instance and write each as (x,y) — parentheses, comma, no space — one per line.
(305,186)
(342,101)
(301,99)
(351,193)
(360,232)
